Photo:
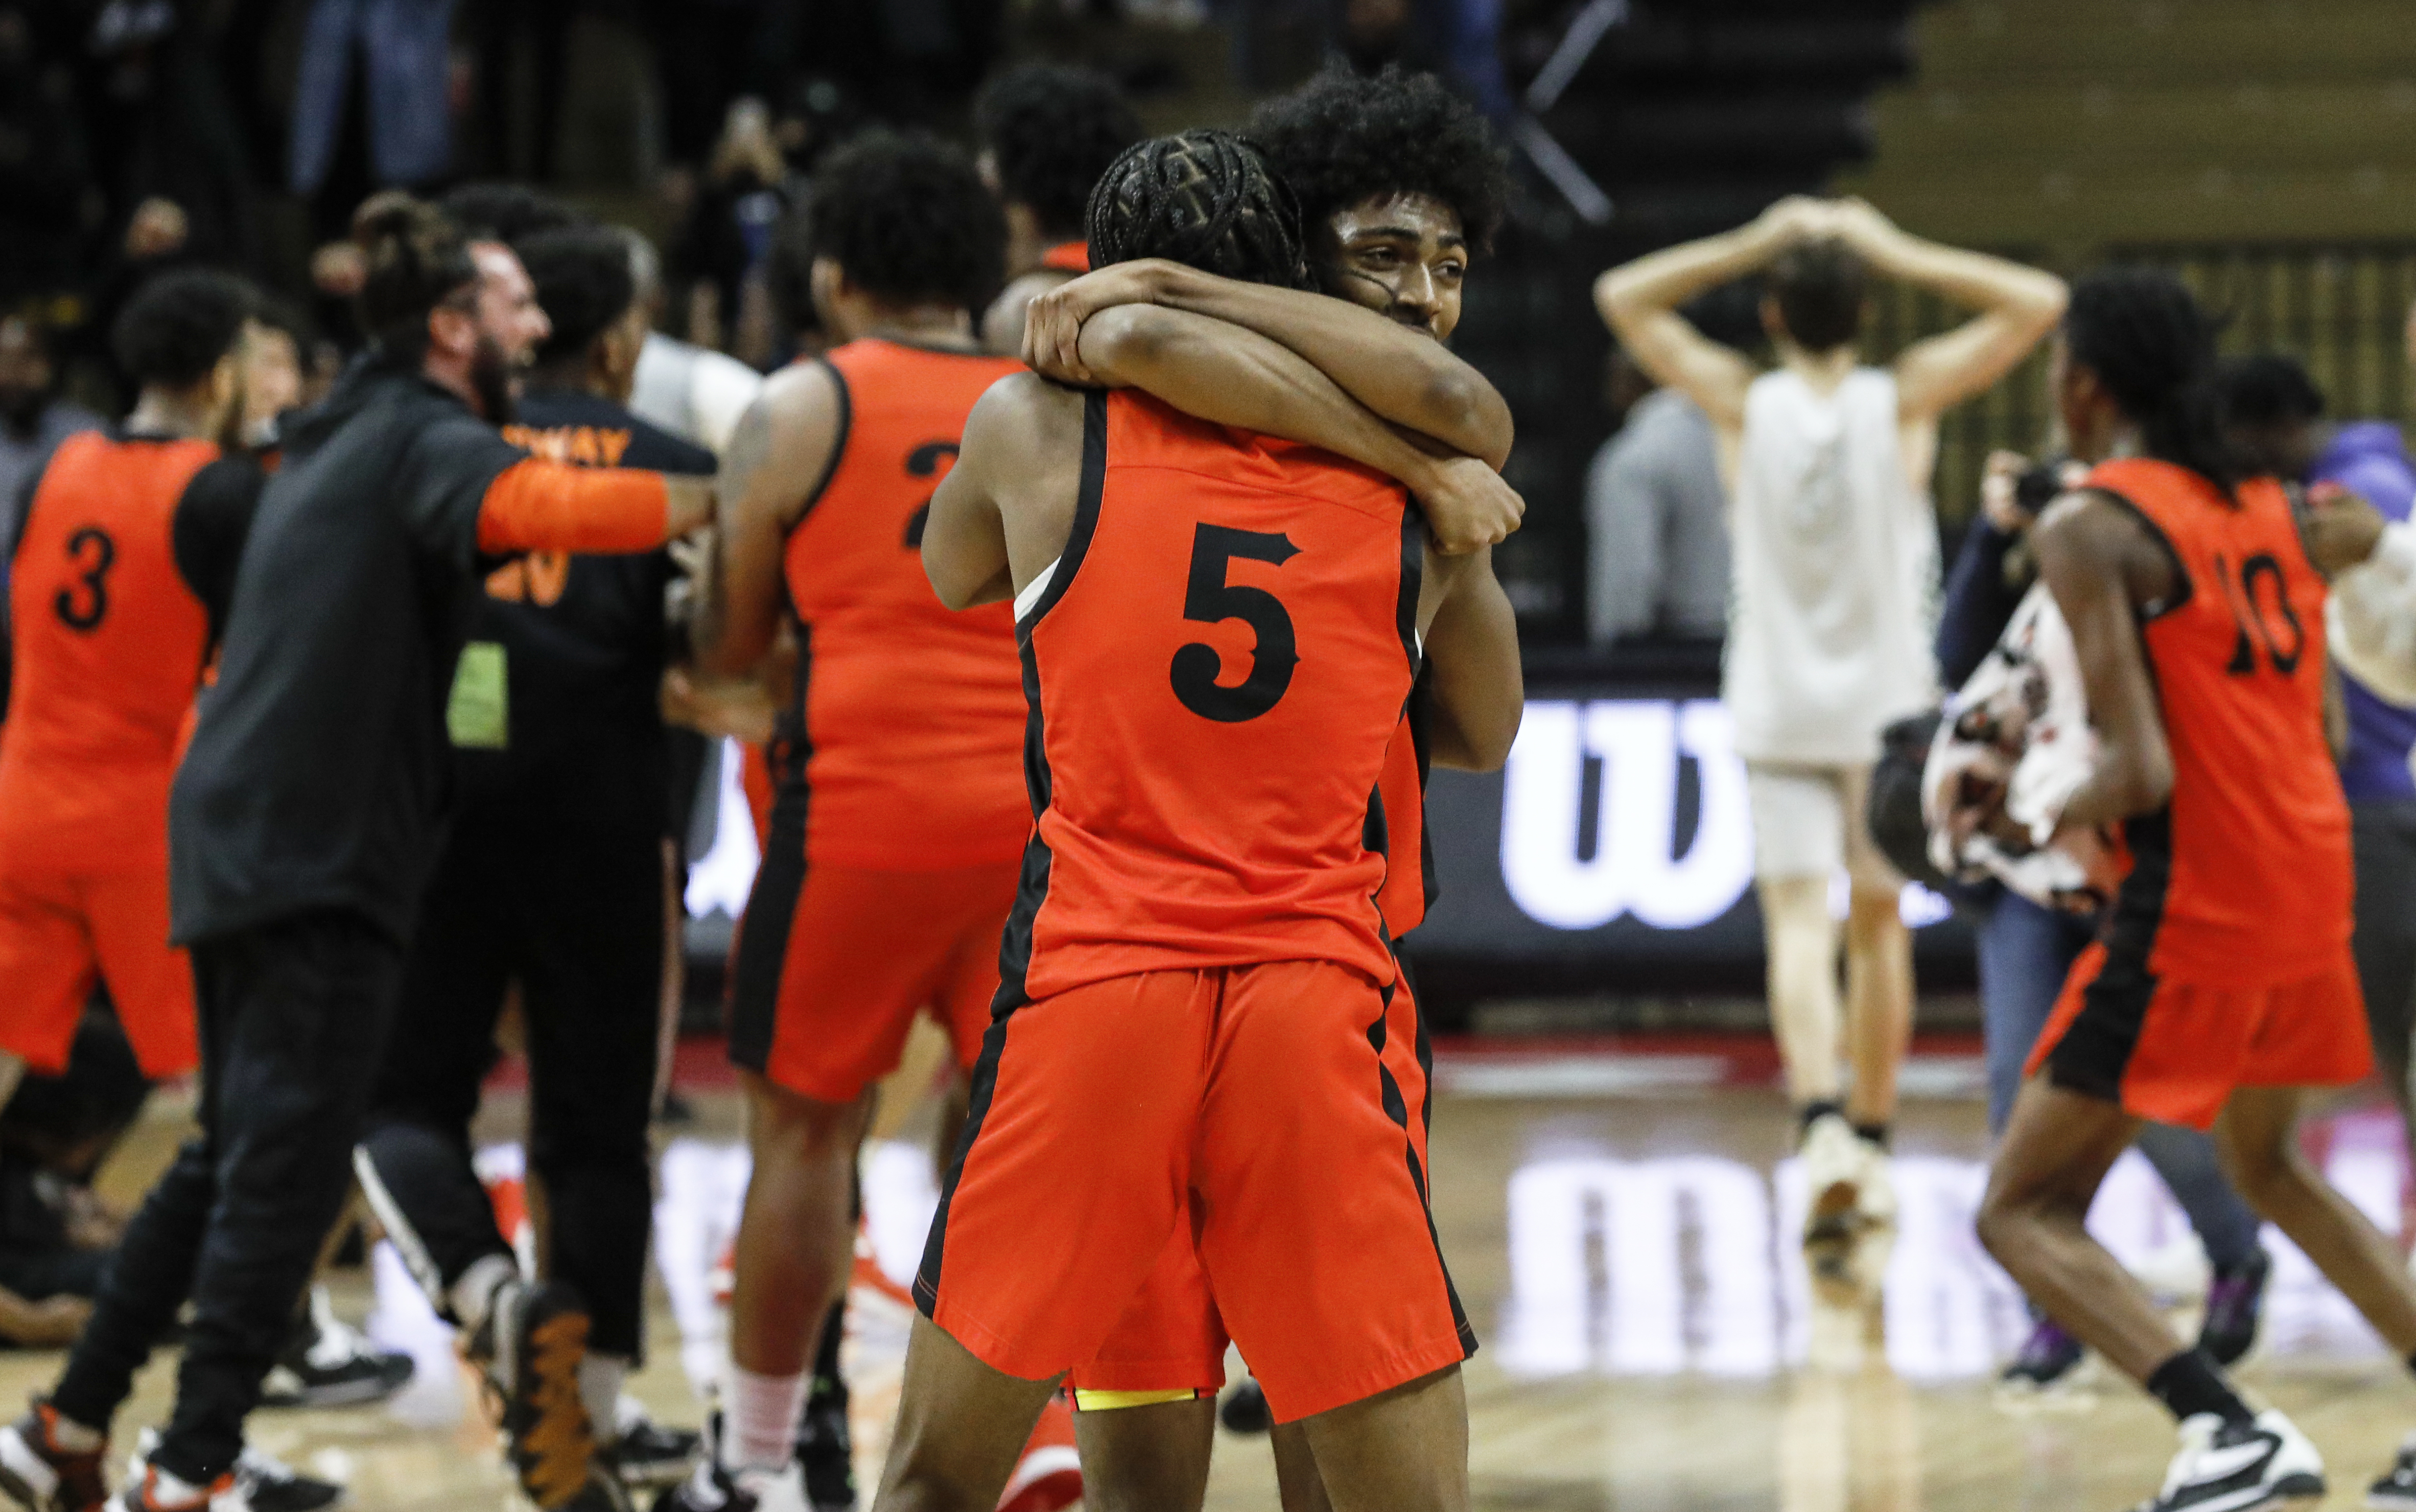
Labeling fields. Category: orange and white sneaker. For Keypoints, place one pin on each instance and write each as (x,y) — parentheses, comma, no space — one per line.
(1048,1477)
(40,1476)
(156,1491)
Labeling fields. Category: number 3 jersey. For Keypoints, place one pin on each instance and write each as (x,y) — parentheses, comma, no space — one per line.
(124,560)
(1215,669)
(911,717)
(2243,878)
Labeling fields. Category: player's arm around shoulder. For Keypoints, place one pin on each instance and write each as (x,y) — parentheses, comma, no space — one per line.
(778,457)
(1004,510)
(2106,572)
(1476,682)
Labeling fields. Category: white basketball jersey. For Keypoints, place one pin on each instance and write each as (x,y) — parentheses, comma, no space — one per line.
(1833,577)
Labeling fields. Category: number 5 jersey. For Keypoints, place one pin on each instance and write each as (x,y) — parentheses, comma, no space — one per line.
(1215,669)
(2244,877)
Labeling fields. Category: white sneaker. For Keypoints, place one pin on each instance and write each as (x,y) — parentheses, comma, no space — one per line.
(1875,1198)
(1834,1171)
(2240,1467)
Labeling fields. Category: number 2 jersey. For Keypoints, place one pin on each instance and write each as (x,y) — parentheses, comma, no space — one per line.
(2243,878)
(124,560)
(1217,670)
(909,718)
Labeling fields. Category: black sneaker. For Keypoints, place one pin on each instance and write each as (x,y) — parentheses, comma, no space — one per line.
(2237,1467)
(39,1476)
(528,1352)
(708,1489)
(2397,1490)
(2235,1302)
(328,1363)
(825,1451)
(1245,1409)
(649,1454)
(262,1482)
(2048,1356)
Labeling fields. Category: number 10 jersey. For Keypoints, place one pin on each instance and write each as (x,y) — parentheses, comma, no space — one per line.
(2244,880)
(1215,669)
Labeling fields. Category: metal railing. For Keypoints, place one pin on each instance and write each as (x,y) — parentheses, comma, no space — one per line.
(2340,308)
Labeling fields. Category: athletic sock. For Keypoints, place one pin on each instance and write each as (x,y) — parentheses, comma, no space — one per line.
(1875,1133)
(599,1391)
(474,1292)
(2189,1384)
(1814,1110)
(759,1418)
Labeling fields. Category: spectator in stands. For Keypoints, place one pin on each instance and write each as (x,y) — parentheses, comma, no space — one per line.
(32,417)
(401,53)
(1656,515)
(2274,409)
(1835,562)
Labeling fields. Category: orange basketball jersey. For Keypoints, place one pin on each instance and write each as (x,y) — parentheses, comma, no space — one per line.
(2244,878)
(1217,668)
(913,717)
(108,642)
(1068,257)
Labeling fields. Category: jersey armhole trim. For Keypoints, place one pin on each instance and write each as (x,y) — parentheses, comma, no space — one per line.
(2185,588)
(1413,564)
(1059,575)
(839,442)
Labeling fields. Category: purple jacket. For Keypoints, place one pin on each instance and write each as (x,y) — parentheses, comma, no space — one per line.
(2370,459)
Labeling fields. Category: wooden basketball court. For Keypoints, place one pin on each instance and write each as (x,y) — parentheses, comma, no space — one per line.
(1619,1229)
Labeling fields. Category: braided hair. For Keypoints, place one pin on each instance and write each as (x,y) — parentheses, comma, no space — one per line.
(1206,198)
(2149,342)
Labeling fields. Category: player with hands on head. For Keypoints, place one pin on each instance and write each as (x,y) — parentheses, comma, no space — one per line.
(1833,564)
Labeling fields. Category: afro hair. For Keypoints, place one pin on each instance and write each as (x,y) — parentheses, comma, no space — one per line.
(177,326)
(907,219)
(583,283)
(1051,131)
(1343,139)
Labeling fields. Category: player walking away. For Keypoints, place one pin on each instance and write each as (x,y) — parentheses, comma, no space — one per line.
(2223,983)
(1047,132)
(554,876)
(1196,1001)
(894,843)
(1400,185)
(301,827)
(1834,560)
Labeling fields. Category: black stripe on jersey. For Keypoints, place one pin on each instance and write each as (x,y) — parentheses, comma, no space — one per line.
(1413,572)
(1015,945)
(2096,1047)
(1397,1107)
(762,952)
(1421,741)
(2183,587)
(839,442)
(1086,518)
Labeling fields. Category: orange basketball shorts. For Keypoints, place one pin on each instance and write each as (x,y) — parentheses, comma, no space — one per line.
(59,931)
(832,964)
(2174,1052)
(1170,1337)
(1156,1158)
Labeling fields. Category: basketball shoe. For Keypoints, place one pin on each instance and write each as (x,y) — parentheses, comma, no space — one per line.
(2239,1467)
(328,1363)
(1836,1167)
(40,1475)
(260,1481)
(527,1351)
